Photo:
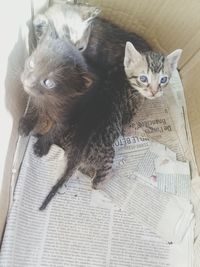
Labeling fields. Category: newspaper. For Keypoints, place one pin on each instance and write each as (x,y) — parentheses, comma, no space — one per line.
(155,122)
(84,227)
(189,153)
(173,176)
(81,226)
(156,209)
(146,167)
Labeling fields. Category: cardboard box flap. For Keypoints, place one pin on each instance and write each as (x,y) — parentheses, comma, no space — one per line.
(191,80)
(167,25)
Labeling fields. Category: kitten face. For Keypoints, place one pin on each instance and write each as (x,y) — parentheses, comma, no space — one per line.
(55,69)
(149,73)
(71,22)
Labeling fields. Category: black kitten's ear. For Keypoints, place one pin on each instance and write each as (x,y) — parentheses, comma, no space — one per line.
(88,80)
(40,24)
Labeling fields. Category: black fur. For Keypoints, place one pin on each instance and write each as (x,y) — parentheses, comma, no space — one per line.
(106,46)
(49,108)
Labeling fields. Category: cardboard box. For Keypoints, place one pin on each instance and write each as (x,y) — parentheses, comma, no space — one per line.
(166,25)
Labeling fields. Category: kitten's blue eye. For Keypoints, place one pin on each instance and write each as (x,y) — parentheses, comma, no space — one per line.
(48,83)
(143,78)
(164,80)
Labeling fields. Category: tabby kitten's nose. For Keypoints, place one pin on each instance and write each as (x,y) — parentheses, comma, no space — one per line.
(153,91)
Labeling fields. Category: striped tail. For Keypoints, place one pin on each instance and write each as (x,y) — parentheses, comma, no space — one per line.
(71,167)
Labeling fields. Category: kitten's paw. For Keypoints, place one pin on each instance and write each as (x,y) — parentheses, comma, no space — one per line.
(40,149)
(24,127)
(97,183)
(88,172)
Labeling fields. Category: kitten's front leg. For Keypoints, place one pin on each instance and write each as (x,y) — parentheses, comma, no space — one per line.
(87,171)
(42,145)
(103,167)
(44,142)
(27,124)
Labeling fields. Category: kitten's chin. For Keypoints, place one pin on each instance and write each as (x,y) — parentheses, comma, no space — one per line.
(151,97)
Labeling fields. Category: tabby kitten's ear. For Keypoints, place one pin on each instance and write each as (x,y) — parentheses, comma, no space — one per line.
(40,24)
(132,56)
(173,59)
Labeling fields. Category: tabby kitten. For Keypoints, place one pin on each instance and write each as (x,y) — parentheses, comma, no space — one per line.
(149,72)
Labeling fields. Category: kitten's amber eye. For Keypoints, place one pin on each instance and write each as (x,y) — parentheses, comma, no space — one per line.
(143,78)
(164,80)
(48,83)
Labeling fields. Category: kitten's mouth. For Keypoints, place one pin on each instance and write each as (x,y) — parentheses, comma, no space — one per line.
(148,96)
(153,96)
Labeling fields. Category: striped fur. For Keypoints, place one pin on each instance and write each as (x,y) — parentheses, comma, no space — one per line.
(155,62)
(156,67)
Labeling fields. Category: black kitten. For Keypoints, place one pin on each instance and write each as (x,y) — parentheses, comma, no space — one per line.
(55,76)
(106,46)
